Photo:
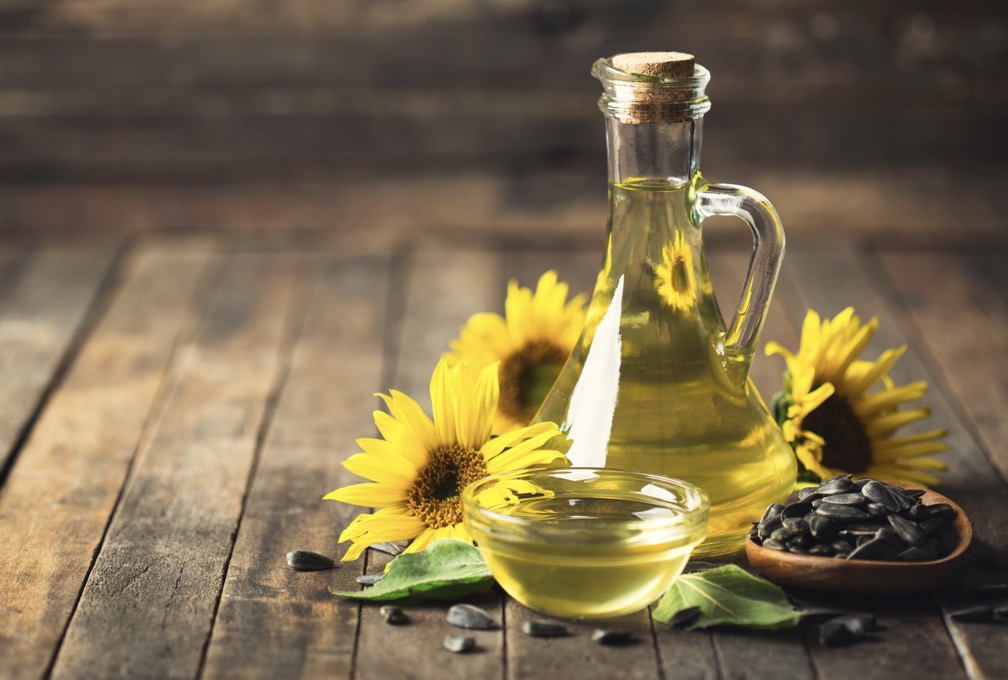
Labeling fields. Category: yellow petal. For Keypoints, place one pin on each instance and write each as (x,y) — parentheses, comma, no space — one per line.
(376,470)
(368,495)
(883,425)
(494,446)
(885,399)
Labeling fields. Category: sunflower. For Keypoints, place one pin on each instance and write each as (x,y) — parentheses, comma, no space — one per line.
(420,466)
(675,279)
(530,343)
(832,420)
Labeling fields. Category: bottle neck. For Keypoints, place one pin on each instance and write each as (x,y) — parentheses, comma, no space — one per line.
(659,154)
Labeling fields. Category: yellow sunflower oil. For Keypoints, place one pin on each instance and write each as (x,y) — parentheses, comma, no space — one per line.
(657,382)
(592,543)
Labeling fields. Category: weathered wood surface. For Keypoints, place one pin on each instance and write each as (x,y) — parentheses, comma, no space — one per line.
(478,120)
(208,388)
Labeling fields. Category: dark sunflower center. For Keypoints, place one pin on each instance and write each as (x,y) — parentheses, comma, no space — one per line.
(526,378)
(679,275)
(434,496)
(848,446)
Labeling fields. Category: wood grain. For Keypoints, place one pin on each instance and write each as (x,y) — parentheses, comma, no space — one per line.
(432,296)
(970,480)
(169,540)
(56,502)
(41,315)
(274,622)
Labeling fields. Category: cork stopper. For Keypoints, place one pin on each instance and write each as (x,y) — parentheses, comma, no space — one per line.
(655,64)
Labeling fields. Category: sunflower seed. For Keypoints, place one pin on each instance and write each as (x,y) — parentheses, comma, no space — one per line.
(846,499)
(940,510)
(795,525)
(906,530)
(304,560)
(685,617)
(839,484)
(917,512)
(369,579)
(872,549)
(904,500)
(842,546)
(767,527)
(782,534)
(774,544)
(977,613)
(843,512)
(808,493)
(795,510)
(835,633)
(393,615)
(824,528)
(469,616)
(544,629)
(880,493)
(612,637)
(914,493)
(458,643)
(773,510)
(821,549)
(876,509)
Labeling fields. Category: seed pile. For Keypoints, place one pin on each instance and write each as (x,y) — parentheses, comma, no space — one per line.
(863,519)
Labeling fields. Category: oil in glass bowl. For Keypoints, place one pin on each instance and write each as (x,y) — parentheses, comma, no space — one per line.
(585,542)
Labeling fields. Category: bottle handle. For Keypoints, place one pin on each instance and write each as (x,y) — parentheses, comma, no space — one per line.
(764,265)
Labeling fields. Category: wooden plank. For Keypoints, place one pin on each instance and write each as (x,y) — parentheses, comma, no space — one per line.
(962,328)
(830,281)
(885,54)
(169,541)
(443,128)
(274,622)
(436,293)
(58,497)
(958,320)
(38,322)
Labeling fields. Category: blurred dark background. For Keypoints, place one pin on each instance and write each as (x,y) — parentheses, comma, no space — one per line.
(381,120)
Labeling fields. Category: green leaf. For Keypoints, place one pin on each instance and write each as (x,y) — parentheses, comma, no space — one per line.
(446,570)
(729,596)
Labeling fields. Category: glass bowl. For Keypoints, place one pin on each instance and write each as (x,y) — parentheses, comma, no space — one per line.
(585,542)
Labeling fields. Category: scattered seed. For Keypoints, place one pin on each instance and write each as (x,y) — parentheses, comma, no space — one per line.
(544,629)
(369,579)
(977,613)
(835,634)
(612,637)
(458,643)
(393,615)
(469,616)
(685,617)
(304,560)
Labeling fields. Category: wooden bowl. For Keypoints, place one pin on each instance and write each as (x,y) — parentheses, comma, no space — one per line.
(866,576)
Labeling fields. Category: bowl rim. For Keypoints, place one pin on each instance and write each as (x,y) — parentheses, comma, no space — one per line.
(685,520)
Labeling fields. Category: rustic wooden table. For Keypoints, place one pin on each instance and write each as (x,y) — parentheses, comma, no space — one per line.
(175,408)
